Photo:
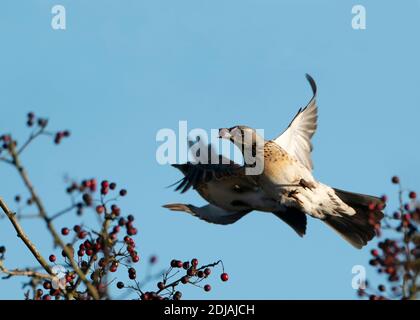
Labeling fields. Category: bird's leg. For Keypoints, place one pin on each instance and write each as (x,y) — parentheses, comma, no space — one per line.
(306,185)
(294,195)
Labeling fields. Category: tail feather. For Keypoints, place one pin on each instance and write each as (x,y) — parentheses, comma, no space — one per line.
(357,229)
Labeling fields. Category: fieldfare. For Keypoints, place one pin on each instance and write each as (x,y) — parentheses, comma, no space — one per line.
(286,186)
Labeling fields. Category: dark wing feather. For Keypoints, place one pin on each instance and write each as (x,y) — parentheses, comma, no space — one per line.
(197,174)
(294,218)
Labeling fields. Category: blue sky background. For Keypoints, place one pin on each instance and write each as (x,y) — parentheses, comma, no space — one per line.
(125,69)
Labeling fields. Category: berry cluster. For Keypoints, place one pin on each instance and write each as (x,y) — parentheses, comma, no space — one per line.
(192,274)
(90,257)
(40,124)
(397,257)
(5,140)
(96,251)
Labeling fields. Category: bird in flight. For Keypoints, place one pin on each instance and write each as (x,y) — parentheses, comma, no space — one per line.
(285,187)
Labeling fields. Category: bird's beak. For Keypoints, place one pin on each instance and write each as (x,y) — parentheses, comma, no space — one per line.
(224,134)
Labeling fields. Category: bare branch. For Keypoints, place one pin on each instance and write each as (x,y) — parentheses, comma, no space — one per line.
(26,273)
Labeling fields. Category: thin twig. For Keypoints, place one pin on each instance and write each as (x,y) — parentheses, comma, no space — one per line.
(21,234)
(26,273)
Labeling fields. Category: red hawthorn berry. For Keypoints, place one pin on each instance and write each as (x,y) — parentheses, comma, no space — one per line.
(130,218)
(174,263)
(390,270)
(145,296)
(161,285)
(131,270)
(224,276)
(207,288)
(384,198)
(135,259)
(77,228)
(133,253)
(395,180)
(93,185)
(120,285)
(185,279)
(87,199)
(104,191)
(65,231)
(113,268)
(123,192)
(112,185)
(200,274)
(89,252)
(412,195)
(177,295)
(47,285)
(81,252)
(105,184)
(132,276)
(194,262)
(191,272)
(179,264)
(115,210)
(397,215)
(52,258)
(381,288)
(186,265)
(132,231)
(374,252)
(87,244)
(207,271)
(100,209)
(82,234)
(46,297)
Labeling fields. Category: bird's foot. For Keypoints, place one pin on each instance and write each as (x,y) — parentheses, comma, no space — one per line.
(294,195)
(306,185)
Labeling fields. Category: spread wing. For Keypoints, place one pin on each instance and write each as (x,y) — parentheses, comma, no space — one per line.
(203,169)
(296,139)
(209,213)
(197,174)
